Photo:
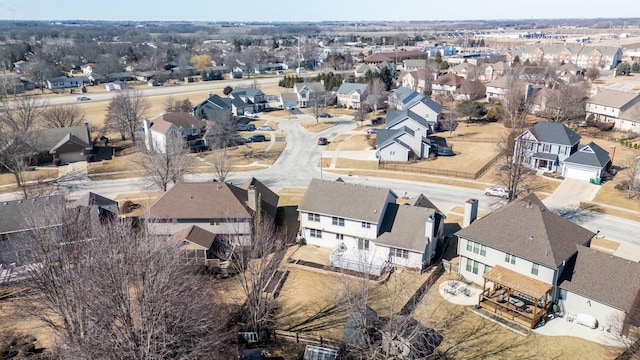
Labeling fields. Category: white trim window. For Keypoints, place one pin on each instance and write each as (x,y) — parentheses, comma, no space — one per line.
(508,258)
(313,217)
(314,233)
(363,244)
(399,253)
(337,221)
(535,268)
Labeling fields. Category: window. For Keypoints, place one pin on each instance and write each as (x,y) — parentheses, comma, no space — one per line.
(469,245)
(316,233)
(475,267)
(472,266)
(476,248)
(363,244)
(534,269)
(546,148)
(366,225)
(483,250)
(469,264)
(399,253)
(487,268)
(392,152)
(508,258)
(337,221)
(313,217)
(339,237)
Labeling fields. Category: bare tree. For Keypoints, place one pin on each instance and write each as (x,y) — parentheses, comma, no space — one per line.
(164,164)
(107,65)
(512,172)
(592,73)
(110,291)
(318,100)
(449,120)
(16,152)
(221,163)
(255,262)
(566,103)
(375,93)
(59,116)
(39,71)
(173,105)
(516,104)
(21,114)
(125,113)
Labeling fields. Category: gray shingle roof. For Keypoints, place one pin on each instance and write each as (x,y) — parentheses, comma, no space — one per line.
(612,98)
(403,226)
(500,83)
(606,278)
(405,94)
(14,215)
(590,155)
(394,117)
(527,229)
(350,201)
(348,88)
(555,133)
(45,140)
(432,104)
(385,137)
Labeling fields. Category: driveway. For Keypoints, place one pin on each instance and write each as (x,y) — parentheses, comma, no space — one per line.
(570,193)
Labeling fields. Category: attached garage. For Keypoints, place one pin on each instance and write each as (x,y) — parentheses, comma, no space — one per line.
(70,149)
(71,157)
(581,174)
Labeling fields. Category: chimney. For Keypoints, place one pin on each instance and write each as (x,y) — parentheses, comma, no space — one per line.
(86,125)
(612,152)
(470,212)
(252,198)
(429,228)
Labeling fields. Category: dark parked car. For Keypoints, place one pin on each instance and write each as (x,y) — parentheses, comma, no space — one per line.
(323,141)
(324,115)
(257,138)
(244,127)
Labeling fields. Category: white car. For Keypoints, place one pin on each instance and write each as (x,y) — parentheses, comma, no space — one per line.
(251,115)
(498,191)
(264,128)
(82,98)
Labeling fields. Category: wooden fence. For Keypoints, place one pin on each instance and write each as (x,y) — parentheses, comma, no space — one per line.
(307,339)
(402,166)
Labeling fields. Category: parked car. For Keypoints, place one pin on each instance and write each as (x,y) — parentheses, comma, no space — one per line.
(237,140)
(257,138)
(291,107)
(244,127)
(251,115)
(82,98)
(323,141)
(264,128)
(324,115)
(372,131)
(499,191)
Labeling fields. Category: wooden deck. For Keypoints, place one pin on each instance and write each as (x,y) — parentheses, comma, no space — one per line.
(527,315)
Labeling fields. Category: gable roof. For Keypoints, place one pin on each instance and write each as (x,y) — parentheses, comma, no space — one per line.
(69,142)
(269,199)
(195,235)
(163,122)
(210,200)
(352,201)
(606,278)
(527,229)
(348,88)
(386,137)
(613,98)
(450,79)
(554,133)
(405,94)
(500,83)
(403,226)
(432,104)
(398,117)
(590,155)
(250,92)
(92,199)
(46,140)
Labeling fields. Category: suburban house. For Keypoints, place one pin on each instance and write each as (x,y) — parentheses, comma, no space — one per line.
(493,71)
(361,70)
(526,258)
(213,108)
(67,145)
(218,207)
(402,98)
(65,82)
(350,95)
(497,89)
(367,228)
(428,109)
(416,80)
(17,219)
(457,87)
(618,107)
(246,100)
(414,64)
(466,70)
(305,91)
(167,125)
(554,147)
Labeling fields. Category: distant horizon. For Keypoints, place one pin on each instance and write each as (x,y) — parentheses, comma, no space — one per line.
(290,11)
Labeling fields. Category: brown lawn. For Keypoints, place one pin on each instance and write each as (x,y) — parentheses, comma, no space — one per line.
(336,141)
(357,143)
(40,174)
(116,164)
(290,196)
(342,163)
(470,336)
(414,177)
(312,126)
(250,153)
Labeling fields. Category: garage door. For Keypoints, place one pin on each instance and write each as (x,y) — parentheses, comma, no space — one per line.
(581,174)
(71,157)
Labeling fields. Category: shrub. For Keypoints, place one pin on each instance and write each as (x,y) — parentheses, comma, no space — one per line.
(57,162)
(622,186)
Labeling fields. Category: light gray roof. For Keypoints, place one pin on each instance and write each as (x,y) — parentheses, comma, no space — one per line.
(250,92)
(527,229)
(394,117)
(45,140)
(500,83)
(555,133)
(590,155)
(386,137)
(432,104)
(405,94)
(351,201)
(612,98)
(545,156)
(403,226)
(348,88)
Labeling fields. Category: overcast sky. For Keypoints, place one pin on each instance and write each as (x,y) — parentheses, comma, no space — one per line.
(311,10)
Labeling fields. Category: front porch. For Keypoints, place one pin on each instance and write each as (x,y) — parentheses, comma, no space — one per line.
(515,296)
(545,161)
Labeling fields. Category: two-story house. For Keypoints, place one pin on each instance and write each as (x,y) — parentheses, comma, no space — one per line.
(213,108)
(173,124)
(220,208)
(350,95)
(452,85)
(402,98)
(554,147)
(246,100)
(416,80)
(526,258)
(305,91)
(545,146)
(366,227)
(618,107)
